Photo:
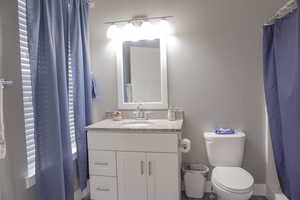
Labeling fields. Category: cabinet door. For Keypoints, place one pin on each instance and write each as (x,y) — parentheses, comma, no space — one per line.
(163,176)
(132,176)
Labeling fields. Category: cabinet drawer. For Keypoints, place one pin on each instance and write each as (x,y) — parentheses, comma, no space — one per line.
(110,141)
(103,188)
(102,163)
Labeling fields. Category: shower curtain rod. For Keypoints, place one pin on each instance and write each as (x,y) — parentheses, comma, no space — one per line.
(142,17)
(289,7)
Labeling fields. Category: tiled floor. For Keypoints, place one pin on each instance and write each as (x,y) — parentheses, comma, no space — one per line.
(258,198)
(206,198)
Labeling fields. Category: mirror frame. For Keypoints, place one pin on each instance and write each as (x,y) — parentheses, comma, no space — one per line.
(163,104)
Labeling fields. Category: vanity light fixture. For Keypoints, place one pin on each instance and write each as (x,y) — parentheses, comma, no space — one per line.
(164,27)
(112,31)
(139,28)
(148,30)
(129,32)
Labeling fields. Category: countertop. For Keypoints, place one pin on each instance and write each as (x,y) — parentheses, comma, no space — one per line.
(163,125)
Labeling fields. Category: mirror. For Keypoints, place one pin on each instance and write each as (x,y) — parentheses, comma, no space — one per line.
(141,65)
(142,74)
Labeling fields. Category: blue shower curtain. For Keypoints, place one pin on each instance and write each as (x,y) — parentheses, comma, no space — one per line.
(82,81)
(51,31)
(282,89)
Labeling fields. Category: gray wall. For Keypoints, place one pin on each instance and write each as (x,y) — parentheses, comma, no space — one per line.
(214,63)
(13,169)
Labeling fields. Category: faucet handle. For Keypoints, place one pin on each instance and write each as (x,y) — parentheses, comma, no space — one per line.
(148,114)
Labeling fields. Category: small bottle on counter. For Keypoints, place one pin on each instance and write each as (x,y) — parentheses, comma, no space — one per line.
(171,114)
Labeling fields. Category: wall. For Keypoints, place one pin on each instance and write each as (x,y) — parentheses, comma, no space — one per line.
(5,172)
(13,169)
(214,63)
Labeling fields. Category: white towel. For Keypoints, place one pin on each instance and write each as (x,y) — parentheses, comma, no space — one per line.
(2,132)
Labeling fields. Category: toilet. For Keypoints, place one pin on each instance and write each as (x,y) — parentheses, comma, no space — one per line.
(225,153)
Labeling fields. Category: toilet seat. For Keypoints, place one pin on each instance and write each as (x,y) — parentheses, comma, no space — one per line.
(233,179)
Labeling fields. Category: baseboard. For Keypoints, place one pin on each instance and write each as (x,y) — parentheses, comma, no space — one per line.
(280,196)
(259,189)
(275,195)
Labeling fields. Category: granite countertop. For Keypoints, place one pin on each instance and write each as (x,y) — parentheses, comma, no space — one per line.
(138,125)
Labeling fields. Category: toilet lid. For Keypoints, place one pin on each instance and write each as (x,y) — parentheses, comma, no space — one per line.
(234,179)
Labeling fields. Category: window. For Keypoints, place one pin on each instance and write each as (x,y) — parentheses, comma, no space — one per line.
(71,101)
(27,92)
(27,87)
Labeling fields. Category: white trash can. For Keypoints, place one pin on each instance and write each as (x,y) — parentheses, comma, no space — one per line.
(195,176)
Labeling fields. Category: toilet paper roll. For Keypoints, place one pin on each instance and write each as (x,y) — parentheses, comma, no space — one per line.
(185,145)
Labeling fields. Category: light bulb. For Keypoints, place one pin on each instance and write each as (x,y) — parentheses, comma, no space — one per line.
(147,31)
(128,32)
(136,33)
(112,32)
(164,28)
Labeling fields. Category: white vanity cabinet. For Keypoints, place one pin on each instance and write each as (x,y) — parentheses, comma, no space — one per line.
(147,176)
(164,176)
(132,165)
(132,176)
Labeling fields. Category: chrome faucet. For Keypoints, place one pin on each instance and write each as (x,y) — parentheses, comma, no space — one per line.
(140,113)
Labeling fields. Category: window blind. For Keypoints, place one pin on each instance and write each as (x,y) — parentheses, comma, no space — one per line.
(71,101)
(27,87)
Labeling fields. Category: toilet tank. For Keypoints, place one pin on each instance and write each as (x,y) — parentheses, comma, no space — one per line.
(225,150)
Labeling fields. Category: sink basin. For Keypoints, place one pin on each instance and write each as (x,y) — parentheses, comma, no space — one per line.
(136,124)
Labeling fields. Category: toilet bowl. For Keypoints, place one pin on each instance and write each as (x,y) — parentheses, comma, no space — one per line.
(225,153)
(232,183)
